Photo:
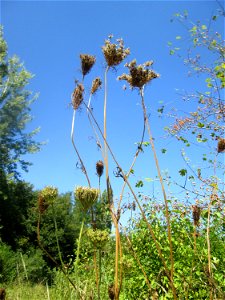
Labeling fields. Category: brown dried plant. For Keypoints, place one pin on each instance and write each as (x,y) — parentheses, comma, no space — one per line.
(196,212)
(114,53)
(139,74)
(77,96)
(87,62)
(100,168)
(221,145)
(96,84)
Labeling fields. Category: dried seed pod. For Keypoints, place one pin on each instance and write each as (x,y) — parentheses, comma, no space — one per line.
(96,84)
(86,196)
(87,62)
(100,168)
(77,96)
(221,145)
(139,74)
(114,53)
(196,212)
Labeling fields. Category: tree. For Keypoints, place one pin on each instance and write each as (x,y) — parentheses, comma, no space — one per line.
(15,103)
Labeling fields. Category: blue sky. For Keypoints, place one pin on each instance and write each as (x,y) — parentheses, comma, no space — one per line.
(48,36)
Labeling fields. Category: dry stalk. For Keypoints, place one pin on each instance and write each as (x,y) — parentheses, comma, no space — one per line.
(168,274)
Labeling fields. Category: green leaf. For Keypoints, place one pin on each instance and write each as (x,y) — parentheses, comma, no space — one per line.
(183,172)
(163,150)
(139,184)
(204,27)
(178,37)
(201,125)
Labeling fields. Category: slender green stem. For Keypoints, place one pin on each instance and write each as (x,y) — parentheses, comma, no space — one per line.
(79,244)
(56,236)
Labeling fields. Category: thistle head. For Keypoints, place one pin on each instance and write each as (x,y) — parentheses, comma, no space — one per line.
(114,53)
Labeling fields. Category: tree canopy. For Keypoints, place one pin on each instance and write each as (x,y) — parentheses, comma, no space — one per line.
(15,102)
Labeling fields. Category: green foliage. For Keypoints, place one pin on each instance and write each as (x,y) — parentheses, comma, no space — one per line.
(190,275)
(15,103)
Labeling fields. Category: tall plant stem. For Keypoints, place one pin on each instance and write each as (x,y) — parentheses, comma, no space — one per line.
(75,148)
(161,181)
(98,142)
(114,219)
(139,149)
(140,208)
(56,236)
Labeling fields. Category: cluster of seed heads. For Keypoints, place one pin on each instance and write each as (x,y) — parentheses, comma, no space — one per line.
(87,62)
(221,145)
(139,75)
(114,53)
(77,96)
(86,196)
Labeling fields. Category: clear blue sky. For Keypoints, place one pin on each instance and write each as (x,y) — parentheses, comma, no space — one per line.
(49,36)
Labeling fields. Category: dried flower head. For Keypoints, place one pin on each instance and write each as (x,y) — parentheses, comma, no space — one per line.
(87,62)
(114,53)
(96,84)
(77,96)
(86,196)
(221,145)
(196,212)
(139,74)
(100,168)
(46,197)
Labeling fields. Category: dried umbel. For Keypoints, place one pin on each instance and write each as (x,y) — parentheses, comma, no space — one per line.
(98,237)
(100,167)
(86,196)
(96,84)
(87,62)
(139,74)
(47,197)
(114,53)
(196,212)
(77,96)
(221,145)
